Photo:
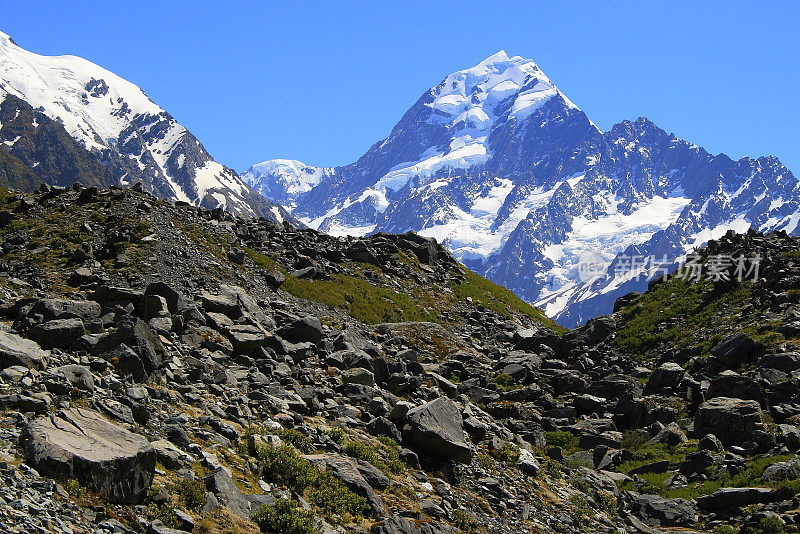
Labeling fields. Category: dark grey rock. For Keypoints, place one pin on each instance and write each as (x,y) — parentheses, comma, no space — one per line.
(728,499)
(15,350)
(666,376)
(735,349)
(82,444)
(404,525)
(436,428)
(660,512)
(733,421)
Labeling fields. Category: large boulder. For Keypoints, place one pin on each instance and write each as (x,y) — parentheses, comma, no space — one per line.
(15,350)
(667,376)
(731,384)
(82,444)
(176,301)
(50,309)
(782,471)
(728,499)
(660,512)
(236,303)
(436,428)
(139,337)
(735,349)
(58,333)
(733,421)
(786,362)
(303,329)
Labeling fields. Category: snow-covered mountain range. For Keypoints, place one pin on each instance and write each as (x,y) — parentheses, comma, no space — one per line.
(500,166)
(116,134)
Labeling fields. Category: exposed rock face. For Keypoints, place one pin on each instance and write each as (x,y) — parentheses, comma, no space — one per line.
(727,499)
(437,430)
(735,349)
(733,421)
(15,350)
(660,512)
(58,333)
(82,444)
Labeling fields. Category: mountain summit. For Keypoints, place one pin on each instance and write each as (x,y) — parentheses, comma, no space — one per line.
(516,180)
(112,130)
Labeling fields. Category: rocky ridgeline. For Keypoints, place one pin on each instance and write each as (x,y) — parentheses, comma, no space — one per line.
(165,368)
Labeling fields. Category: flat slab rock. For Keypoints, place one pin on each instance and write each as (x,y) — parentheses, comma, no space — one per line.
(84,445)
(657,511)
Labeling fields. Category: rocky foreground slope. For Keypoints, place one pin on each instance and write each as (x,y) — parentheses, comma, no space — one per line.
(166,368)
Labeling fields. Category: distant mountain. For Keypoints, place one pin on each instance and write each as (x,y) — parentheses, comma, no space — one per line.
(520,185)
(284,180)
(65,119)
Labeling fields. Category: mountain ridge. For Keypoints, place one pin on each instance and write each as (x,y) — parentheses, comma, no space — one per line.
(121,128)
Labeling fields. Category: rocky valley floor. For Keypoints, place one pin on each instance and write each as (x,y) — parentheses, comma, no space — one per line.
(167,369)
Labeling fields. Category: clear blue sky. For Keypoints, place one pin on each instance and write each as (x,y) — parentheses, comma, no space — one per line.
(322,81)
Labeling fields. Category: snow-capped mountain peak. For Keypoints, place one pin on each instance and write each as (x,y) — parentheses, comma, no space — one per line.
(500,166)
(497,88)
(283,179)
(113,118)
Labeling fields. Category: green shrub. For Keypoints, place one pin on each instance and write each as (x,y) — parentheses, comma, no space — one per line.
(74,488)
(508,453)
(363,300)
(358,450)
(283,465)
(465,522)
(393,462)
(606,502)
(333,498)
(635,439)
(164,513)
(192,493)
(767,525)
(504,382)
(261,260)
(336,433)
(296,438)
(286,517)
(498,299)
(560,438)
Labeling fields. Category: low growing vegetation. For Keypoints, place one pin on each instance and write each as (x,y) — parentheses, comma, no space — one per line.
(283,465)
